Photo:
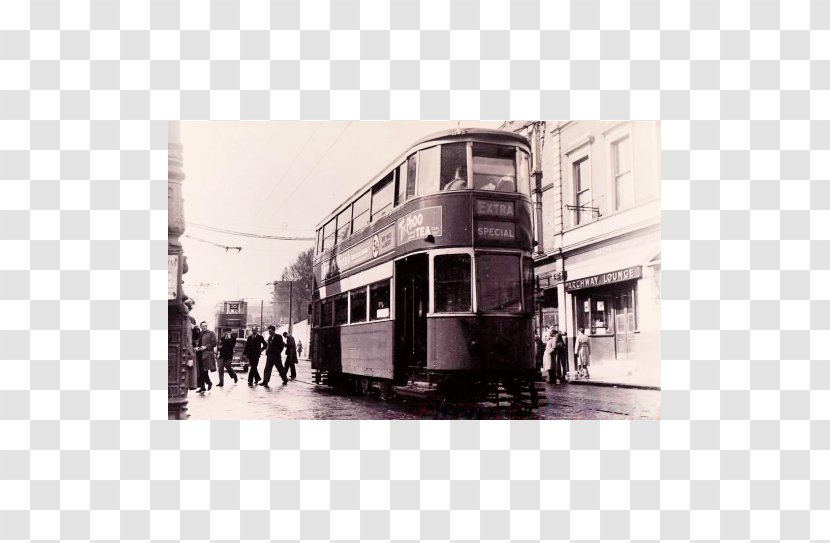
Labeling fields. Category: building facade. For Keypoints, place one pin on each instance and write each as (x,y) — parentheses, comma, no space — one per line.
(598,228)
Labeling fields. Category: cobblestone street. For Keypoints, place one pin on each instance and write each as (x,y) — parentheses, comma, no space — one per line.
(301,399)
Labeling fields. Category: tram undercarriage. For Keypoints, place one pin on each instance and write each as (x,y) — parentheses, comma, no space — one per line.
(521,393)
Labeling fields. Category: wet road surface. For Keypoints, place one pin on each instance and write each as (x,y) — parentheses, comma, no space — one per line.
(302,399)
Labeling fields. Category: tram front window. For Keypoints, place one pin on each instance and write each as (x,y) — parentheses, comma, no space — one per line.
(499,283)
(453,283)
(454,166)
(494,167)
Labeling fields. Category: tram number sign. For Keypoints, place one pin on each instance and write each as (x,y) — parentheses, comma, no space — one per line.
(420,224)
(492,230)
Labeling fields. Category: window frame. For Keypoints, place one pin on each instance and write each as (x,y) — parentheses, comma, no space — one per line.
(388,282)
(387,181)
(365,291)
(472,159)
(335,299)
(473,291)
(517,255)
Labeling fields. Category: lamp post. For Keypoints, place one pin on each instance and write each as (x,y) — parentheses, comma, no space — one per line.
(178,323)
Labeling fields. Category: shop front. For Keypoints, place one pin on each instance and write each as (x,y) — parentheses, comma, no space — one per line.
(606,307)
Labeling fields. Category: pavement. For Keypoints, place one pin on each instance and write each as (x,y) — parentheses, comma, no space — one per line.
(302,399)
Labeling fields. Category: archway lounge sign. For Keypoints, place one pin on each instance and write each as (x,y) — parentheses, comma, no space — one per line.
(618,276)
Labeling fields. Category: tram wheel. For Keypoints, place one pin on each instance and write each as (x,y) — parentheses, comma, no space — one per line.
(364,386)
(386,392)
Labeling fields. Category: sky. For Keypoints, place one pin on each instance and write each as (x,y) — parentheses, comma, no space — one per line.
(274,178)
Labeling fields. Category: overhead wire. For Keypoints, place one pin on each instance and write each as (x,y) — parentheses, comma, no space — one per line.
(286,170)
(249,234)
(314,167)
(226,247)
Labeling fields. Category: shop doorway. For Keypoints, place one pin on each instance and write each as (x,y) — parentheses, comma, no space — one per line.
(625,324)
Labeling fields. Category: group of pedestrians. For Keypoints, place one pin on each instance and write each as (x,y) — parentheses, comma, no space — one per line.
(206,348)
(255,345)
(552,355)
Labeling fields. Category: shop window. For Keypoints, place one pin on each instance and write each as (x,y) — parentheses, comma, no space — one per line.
(582,190)
(452,283)
(383,196)
(498,283)
(379,300)
(326,314)
(454,166)
(494,167)
(341,309)
(358,305)
(360,212)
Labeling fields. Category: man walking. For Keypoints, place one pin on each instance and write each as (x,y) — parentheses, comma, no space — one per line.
(226,347)
(254,346)
(273,358)
(290,355)
(207,363)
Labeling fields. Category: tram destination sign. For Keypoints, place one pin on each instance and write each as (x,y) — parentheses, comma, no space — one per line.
(495,230)
(495,208)
(617,276)
(420,224)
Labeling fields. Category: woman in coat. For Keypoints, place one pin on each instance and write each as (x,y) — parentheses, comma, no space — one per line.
(583,353)
(550,357)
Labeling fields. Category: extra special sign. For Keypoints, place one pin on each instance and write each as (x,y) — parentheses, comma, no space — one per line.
(495,231)
(617,276)
(420,224)
(496,208)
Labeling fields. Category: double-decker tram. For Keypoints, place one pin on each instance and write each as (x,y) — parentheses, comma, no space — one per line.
(423,279)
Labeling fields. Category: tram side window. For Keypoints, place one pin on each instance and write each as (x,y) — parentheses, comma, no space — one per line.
(499,283)
(383,195)
(316,314)
(329,231)
(358,309)
(454,166)
(452,283)
(523,175)
(527,282)
(429,175)
(326,313)
(341,309)
(400,179)
(494,167)
(379,300)
(344,224)
(361,212)
(411,175)
(319,241)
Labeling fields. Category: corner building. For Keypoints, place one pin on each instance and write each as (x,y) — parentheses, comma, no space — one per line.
(597,225)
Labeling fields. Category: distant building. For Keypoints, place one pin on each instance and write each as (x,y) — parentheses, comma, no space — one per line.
(598,259)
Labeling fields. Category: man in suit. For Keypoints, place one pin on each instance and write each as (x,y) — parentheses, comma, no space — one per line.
(273,358)
(254,346)
(290,355)
(207,362)
(226,346)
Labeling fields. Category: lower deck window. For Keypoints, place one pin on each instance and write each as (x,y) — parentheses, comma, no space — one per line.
(453,283)
(379,300)
(341,309)
(358,309)
(499,283)
(326,314)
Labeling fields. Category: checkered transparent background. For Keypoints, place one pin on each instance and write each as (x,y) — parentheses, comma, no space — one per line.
(743,90)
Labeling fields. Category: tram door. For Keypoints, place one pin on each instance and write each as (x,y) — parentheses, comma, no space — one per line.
(411,306)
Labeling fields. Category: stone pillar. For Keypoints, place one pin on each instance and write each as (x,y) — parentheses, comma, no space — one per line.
(178,324)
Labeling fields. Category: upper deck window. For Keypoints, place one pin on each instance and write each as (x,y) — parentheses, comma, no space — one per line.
(454,166)
(494,167)
(328,234)
(360,212)
(429,166)
(523,174)
(344,224)
(383,196)
(411,175)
